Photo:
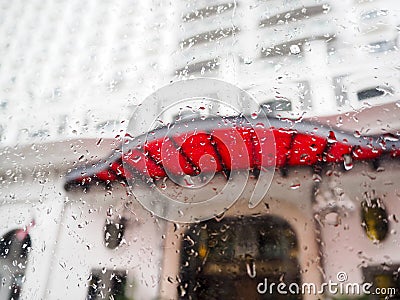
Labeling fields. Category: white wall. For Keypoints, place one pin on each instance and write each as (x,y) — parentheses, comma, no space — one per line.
(346,245)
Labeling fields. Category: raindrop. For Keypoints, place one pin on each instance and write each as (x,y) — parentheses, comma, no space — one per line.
(295,49)
(347,162)
(317,178)
(250,266)
(395,218)
(339,121)
(332,138)
(295,186)
(382,143)
(219,217)
(136,159)
(332,218)
(391,138)
(326,8)
(190,240)
(188,181)
(182,291)
(225,237)
(170,279)
(247,60)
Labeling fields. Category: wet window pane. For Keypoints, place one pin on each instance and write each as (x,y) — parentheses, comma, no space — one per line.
(199,149)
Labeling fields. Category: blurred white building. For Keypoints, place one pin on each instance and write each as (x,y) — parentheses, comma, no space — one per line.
(71,69)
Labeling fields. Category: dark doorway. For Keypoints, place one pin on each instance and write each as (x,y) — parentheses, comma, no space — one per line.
(227,259)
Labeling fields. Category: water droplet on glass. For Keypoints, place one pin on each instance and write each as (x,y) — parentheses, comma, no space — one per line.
(219,217)
(188,181)
(136,159)
(182,291)
(347,162)
(317,178)
(250,266)
(170,279)
(295,186)
(332,218)
(390,138)
(247,60)
(294,49)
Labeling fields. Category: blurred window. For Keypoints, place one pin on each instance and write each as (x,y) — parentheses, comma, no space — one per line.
(373,92)
(105,284)
(14,249)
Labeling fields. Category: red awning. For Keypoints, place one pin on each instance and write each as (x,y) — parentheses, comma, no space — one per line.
(281,144)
